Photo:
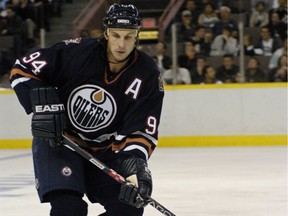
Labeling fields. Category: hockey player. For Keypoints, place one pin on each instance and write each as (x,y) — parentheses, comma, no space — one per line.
(106,96)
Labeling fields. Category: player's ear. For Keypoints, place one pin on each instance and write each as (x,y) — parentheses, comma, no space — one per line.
(105,34)
(136,39)
(136,42)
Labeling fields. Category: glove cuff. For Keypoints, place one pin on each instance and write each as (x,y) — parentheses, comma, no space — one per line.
(135,150)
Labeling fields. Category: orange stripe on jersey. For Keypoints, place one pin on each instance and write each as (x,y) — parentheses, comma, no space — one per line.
(15,71)
(133,140)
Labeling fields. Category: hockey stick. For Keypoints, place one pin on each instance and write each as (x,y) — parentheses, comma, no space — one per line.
(117,177)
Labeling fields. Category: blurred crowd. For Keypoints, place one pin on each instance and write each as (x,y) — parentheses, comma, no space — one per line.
(20,24)
(207,33)
(209,29)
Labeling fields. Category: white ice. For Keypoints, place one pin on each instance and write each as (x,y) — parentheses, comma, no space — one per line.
(232,181)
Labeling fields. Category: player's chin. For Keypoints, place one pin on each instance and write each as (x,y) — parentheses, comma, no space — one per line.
(121,57)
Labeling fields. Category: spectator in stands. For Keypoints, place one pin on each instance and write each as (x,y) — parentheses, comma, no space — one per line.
(225,20)
(199,40)
(259,17)
(41,8)
(277,28)
(253,73)
(210,76)
(269,3)
(163,61)
(267,45)
(282,11)
(192,7)
(279,52)
(228,70)
(186,28)
(248,45)
(13,25)
(182,74)
(189,57)
(201,5)
(208,17)
(279,74)
(237,78)
(224,43)
(3,4)
(197,75)
(235,6)
(25,10)
(208,39)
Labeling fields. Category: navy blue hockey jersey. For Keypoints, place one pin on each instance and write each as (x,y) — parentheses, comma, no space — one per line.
(120,110)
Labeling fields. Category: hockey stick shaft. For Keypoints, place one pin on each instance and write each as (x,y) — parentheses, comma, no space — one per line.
(117,177)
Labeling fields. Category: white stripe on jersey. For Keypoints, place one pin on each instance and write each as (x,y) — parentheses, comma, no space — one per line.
(120,137)
(18,62)
(142,149)
(155,141)
(19,80)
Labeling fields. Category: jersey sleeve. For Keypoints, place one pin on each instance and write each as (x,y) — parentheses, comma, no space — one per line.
(38,68)
(139,134)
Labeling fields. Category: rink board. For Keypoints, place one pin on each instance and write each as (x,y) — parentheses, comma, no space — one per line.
(193,115)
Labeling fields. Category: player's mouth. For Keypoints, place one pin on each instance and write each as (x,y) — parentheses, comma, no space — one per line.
(120,52)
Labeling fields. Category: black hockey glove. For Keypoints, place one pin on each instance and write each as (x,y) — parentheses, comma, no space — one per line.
(48,119)
(139,188)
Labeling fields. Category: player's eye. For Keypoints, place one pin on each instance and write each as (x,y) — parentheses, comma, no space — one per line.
(128,37)
(116,36)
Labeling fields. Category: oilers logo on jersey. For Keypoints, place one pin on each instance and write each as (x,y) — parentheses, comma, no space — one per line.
(91,108)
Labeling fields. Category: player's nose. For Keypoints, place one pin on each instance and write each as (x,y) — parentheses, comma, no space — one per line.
(121,43)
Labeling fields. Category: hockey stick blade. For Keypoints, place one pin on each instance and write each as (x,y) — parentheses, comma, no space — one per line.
(68,143)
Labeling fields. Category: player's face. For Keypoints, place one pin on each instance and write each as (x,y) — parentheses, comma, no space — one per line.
(120,43)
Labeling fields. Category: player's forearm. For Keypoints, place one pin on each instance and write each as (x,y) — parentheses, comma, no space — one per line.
(22,87)
(136,146)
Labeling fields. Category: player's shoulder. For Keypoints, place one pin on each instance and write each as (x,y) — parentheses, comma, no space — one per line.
(147,63)
(144,57)
(77,43)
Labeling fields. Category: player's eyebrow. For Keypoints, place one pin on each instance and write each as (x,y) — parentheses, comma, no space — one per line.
(131,33)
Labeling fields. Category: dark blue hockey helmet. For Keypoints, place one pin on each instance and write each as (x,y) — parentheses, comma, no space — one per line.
(122,16)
